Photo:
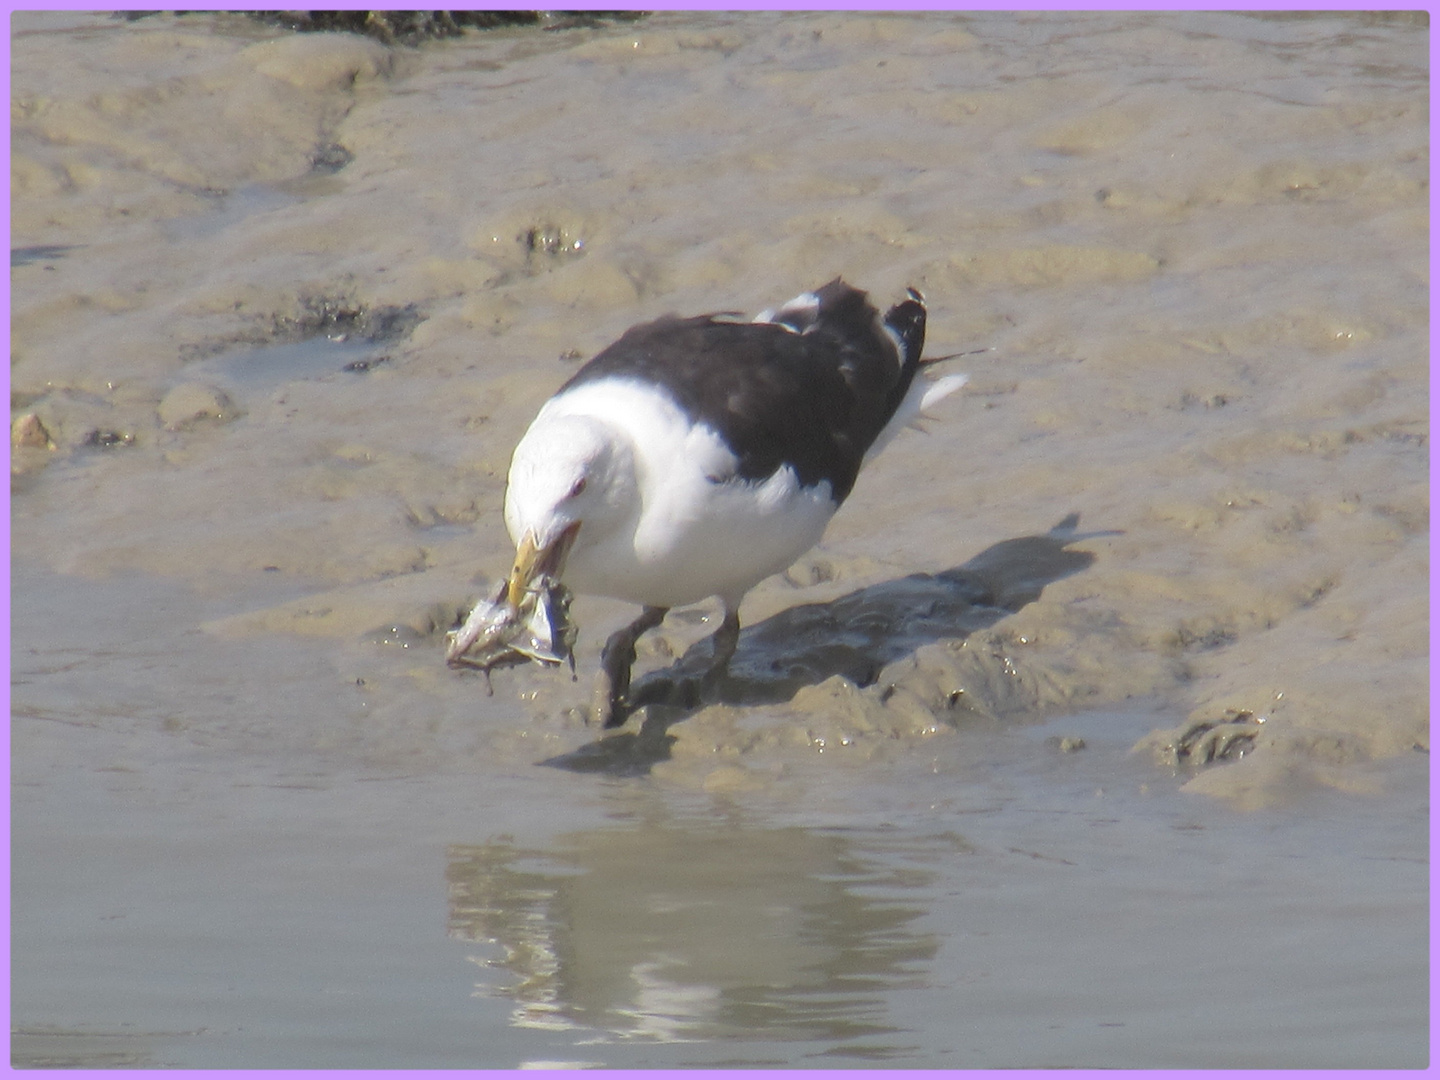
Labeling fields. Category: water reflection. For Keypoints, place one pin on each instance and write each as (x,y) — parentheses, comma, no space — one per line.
(672,933)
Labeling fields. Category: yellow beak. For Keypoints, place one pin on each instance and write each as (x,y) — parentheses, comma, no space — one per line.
(533,561)
(523,572)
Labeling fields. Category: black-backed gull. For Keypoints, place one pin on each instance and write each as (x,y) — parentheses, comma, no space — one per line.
(697,456)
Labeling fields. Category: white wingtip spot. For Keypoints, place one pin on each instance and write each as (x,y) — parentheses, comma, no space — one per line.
(796,315)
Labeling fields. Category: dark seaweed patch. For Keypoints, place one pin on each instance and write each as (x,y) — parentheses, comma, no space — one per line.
(364,364)
(415,27)
(397,27)
(104,439)
(337,316)
(330,158)
(24,256)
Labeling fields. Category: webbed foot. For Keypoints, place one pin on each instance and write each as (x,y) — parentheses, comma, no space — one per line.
(609,701)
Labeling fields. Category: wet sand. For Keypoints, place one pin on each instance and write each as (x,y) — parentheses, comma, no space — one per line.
(1137,628)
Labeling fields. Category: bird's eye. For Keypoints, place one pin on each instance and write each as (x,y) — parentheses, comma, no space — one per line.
(577,487)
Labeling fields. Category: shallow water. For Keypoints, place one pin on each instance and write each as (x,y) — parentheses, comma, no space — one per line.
(229,898)
(1182,506)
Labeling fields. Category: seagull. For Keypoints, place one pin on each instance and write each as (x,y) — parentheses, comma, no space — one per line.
(695,457)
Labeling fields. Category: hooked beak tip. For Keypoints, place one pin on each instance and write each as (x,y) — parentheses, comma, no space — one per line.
(526,556)
(533,561)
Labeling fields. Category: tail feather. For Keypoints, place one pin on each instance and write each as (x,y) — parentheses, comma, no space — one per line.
(938,390)
(922,394)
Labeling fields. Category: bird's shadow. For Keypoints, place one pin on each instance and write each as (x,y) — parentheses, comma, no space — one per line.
(854,635)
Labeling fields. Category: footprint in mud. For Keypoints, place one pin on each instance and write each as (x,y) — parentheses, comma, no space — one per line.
(1226,739)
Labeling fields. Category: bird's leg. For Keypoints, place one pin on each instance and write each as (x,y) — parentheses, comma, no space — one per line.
(722,648)
(616,659)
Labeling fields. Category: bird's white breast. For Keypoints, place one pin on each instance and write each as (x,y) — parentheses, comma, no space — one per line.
(691,537)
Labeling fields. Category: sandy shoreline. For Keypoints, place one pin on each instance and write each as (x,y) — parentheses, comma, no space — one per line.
(282,305)
(1174,352)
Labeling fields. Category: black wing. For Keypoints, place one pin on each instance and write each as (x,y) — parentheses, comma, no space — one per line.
(813,393)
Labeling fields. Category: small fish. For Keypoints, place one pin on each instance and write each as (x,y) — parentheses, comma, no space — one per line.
(496,634)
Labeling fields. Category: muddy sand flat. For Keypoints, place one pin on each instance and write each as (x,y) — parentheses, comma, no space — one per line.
(1094,734)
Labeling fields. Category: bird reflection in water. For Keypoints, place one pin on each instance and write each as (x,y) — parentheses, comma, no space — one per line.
(671,933)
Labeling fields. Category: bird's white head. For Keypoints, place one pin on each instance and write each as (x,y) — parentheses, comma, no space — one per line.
(570,481)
